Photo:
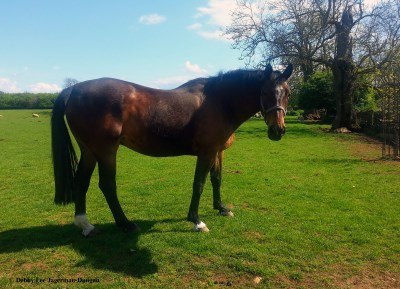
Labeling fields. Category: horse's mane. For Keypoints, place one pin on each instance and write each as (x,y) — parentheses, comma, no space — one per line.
(249,79)
(241,77)
(236,75)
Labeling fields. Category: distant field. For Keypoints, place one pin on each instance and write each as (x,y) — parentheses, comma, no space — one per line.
(315,210)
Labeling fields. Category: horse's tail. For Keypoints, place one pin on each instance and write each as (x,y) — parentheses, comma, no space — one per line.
(64,156)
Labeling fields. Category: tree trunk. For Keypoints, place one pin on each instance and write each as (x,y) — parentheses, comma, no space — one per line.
(343,81)
(343,70)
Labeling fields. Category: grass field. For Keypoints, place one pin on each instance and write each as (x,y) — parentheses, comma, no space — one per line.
(315,210)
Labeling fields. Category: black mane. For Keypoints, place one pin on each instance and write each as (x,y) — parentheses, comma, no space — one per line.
(241,78)
(231,80)
(235,76)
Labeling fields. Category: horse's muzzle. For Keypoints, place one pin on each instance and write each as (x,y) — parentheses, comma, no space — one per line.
(276,133)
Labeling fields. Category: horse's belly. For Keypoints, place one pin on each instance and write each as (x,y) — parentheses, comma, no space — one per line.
(157,146)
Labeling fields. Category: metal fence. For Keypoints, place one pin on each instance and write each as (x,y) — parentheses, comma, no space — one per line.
(389,95)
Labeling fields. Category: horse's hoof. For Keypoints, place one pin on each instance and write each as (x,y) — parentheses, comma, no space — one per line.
(129,227)
(226,213)
(92,233)
(201,227)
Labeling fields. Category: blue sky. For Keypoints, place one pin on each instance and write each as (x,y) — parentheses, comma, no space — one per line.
(155,43)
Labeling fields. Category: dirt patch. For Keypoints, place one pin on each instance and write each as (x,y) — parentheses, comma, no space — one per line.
(218,277)
(368,277)
(243,281)
(219,280)
(367,149)
(254,236)
(36,266)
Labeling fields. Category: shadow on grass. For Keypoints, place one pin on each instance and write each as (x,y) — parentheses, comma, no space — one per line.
(291,131)
(303,131)
(112,250)
(332,161)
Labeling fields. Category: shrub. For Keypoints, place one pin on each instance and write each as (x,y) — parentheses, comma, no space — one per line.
(317,93)
(297,112)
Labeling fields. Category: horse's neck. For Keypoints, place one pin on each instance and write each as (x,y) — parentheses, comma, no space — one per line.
(242,106)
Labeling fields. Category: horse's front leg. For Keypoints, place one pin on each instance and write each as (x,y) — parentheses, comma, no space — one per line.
(203,167)
(216,178)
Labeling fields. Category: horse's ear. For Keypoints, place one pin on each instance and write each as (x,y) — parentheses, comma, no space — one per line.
(268,70)
(288,72)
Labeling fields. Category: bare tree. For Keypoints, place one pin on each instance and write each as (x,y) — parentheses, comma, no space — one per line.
(284,30)
(333,33)
(69,82)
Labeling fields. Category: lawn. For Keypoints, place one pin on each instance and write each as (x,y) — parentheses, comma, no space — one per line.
(314,210)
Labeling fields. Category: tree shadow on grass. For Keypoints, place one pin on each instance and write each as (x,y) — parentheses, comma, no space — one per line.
(321,161)
(262,132)
(112,250)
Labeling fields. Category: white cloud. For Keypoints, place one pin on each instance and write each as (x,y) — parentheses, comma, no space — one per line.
(191,71)
(194,26)
(218,11)
(213,34)
(152,19)
(8,85)
(194,68)
(371,3)
(172,81)
(44,87)
(213,18)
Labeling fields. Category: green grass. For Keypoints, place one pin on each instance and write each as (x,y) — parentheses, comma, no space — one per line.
(309,213)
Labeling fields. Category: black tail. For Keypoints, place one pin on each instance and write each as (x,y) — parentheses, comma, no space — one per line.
(64,157)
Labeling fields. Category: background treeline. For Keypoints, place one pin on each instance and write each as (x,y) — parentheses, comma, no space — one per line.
(314,99)
(27,100)
(317,94)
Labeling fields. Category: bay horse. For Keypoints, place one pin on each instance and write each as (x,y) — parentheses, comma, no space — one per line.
(198,118)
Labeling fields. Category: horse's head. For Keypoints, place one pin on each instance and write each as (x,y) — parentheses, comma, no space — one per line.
(274,100)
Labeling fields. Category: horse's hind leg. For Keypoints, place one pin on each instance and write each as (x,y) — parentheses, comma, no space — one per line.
(216,178)
(107,183)
(83,174)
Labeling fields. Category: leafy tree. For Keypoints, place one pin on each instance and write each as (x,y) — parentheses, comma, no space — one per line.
(365,95)
(317,92)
